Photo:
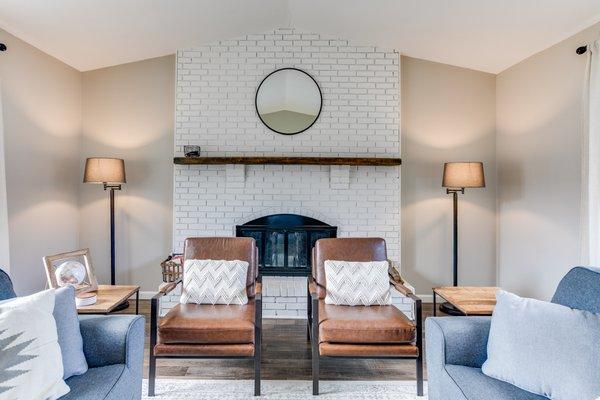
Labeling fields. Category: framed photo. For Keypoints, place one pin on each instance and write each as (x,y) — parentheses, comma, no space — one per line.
(71,269)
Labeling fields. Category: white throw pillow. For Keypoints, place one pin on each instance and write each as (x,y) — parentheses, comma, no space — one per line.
(544,348)
(214,282)
(30,359)
(357,283)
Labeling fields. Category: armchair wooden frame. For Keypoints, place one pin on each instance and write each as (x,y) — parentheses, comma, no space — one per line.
(313,335)
(154,316)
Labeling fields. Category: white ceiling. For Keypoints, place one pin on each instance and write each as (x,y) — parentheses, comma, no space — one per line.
(487,35)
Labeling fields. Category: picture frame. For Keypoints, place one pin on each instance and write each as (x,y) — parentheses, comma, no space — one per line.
(51,263)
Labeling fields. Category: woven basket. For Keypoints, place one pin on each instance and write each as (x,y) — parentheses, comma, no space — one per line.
(172,269)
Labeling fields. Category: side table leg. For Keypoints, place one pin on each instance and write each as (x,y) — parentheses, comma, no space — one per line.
(434,305)
(137,302)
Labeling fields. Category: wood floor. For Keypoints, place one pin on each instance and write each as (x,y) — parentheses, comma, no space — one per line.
(286,355)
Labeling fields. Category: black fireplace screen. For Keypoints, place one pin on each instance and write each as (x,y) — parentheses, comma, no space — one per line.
(285,241)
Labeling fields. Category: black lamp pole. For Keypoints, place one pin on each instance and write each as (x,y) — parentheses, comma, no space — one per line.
(112,189)
(447,307)
(455,193)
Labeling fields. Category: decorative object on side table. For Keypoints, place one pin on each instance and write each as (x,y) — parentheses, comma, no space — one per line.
(67,269)
(110,172)
(111,298)
(191,150)
(457,177)
(468,300)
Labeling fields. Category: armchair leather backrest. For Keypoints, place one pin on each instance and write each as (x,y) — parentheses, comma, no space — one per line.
(580,289)
(225,248)
(6,287)
(344,249)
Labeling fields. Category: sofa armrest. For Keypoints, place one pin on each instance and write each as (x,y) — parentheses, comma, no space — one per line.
(113,339)
(457,340)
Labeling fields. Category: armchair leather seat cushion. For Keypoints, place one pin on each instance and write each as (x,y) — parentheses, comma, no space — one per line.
(208,324)
(363,325)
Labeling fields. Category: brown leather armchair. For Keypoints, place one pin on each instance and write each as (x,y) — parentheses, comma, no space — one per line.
(358,332)
(211,331)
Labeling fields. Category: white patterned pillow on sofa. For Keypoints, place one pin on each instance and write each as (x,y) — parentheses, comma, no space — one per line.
(214,282)
(357,283)
(31,364)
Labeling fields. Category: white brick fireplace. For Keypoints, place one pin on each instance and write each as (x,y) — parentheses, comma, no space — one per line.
(215,109)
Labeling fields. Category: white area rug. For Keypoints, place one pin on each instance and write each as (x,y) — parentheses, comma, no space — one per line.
(188,389)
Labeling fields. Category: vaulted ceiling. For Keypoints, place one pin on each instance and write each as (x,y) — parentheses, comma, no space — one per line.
(487,35)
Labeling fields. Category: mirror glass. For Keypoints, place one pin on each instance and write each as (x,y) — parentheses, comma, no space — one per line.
(288,101)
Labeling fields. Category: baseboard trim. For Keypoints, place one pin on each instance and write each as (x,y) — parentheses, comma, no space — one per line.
(146,294)
(427,298)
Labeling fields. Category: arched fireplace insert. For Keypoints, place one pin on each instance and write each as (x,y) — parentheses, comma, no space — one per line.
(285,242)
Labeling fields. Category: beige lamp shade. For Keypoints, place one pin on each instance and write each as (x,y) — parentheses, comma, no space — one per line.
(467,174)
(104,170)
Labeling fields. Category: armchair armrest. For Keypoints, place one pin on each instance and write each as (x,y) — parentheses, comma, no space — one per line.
(168,288)
(312,287)
(456,340)
(113,339)
(313,310)
(258,300)
(400,287)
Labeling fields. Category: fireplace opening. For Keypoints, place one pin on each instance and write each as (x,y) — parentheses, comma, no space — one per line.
(285,242)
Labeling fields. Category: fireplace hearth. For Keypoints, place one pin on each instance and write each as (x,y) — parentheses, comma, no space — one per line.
(285,241)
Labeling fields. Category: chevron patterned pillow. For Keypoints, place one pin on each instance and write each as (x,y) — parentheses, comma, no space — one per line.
(214,282)
(357,283)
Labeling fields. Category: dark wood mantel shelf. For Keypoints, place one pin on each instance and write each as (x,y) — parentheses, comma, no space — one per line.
(260,160)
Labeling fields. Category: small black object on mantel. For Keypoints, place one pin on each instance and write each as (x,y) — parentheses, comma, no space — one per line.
(581,50)
(191,150)
(2,47)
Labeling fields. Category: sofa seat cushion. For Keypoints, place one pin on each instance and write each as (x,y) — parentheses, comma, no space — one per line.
(208,324)
(112,382)
(477,386)
(374,324)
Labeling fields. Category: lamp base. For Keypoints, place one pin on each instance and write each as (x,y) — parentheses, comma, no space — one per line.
(449,309)
(123,306)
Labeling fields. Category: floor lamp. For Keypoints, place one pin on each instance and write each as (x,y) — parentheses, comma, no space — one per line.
(457,177)
(110,172)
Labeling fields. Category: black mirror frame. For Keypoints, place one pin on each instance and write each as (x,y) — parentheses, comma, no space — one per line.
(282,69)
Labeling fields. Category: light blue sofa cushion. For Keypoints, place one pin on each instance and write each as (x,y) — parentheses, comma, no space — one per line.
(69,335)
(111,382)
(474,385)
(544,348)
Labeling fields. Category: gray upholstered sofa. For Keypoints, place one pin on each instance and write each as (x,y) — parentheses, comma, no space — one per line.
(114,350)
(456,347)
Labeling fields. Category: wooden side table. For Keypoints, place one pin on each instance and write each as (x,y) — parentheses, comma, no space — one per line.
(470,300)
(109,297)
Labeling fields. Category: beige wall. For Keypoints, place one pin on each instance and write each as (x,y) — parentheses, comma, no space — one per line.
(41,107)
(539,167)
(128,112)
(448,114)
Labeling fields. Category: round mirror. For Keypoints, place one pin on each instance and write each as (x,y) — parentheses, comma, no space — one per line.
(288,101)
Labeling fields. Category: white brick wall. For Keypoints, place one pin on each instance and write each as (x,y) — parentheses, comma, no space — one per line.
(215,109)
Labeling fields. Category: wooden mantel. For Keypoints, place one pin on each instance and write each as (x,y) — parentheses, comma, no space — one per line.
(263,160)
